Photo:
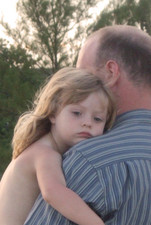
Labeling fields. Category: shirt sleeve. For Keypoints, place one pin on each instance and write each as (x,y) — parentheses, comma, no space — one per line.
(83,179)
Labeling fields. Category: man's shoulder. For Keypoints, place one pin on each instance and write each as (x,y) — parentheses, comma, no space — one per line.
(128,141)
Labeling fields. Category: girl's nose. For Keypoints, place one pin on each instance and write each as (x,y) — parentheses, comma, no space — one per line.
(86,123)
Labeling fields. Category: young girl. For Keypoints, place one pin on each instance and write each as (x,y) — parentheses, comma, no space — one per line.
(73,106)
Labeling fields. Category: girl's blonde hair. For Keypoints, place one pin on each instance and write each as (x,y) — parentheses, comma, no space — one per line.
(67,86)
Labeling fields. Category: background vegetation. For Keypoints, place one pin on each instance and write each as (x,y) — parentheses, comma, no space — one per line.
(47,36)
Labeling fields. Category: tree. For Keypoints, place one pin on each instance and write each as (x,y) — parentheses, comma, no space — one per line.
(44,26)
(143,14)
(131,12)
(18,82)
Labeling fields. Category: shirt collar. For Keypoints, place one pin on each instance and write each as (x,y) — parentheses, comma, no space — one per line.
(139,115)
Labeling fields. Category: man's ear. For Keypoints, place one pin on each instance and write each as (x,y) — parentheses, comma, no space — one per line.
(113,73)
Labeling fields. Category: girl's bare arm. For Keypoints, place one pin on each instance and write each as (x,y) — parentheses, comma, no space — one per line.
(54,191)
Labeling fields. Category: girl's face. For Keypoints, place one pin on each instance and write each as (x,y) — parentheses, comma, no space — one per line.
(80,121)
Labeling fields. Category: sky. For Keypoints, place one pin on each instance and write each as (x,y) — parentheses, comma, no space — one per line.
(8,12)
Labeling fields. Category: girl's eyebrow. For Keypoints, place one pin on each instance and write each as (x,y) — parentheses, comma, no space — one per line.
(76,104)
(100,111)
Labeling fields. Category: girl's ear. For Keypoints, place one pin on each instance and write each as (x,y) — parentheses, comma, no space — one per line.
(113,73)
(52,119)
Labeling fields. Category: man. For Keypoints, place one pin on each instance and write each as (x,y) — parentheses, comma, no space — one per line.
(112,173)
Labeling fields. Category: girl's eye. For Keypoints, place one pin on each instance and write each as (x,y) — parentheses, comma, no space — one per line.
(77,113)
(97,119)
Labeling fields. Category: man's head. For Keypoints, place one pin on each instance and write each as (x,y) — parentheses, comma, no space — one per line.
(121,56)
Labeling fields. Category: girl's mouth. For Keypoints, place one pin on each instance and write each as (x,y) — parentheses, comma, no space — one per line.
(84,135)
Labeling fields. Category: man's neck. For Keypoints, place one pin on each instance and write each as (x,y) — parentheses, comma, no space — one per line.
(133,100)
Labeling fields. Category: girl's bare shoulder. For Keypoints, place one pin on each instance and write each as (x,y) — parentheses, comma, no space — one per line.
(39,151)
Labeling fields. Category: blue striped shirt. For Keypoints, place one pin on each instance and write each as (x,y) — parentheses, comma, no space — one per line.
(112,173)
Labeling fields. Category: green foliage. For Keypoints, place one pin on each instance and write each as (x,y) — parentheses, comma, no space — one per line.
(131,12)
(143,14)
(5,156)
(18,82)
